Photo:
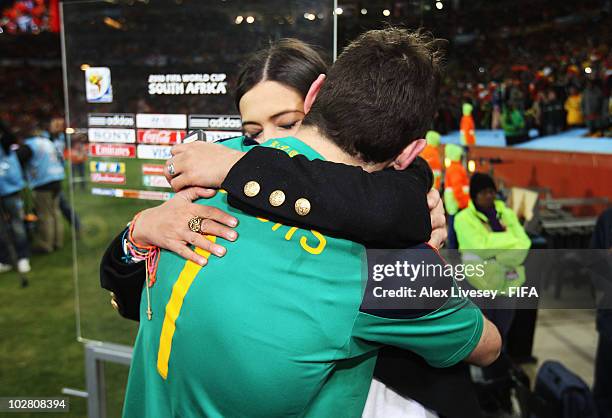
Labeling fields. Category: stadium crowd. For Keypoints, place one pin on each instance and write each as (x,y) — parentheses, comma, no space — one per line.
(551,79)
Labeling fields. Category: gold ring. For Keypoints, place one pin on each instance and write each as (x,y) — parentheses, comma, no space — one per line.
(195,224)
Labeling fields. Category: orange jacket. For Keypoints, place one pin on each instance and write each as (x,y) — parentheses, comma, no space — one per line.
(431,154)
(456,178)
(467,130)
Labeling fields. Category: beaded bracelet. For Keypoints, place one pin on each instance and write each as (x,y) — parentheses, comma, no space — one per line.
(147,253)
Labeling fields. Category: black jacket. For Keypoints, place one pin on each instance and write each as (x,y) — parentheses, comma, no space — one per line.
(387,209)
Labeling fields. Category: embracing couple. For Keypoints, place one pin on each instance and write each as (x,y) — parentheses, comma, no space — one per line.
(256,308)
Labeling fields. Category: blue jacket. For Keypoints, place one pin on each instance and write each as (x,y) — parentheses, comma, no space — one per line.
(45,165)
(11,176)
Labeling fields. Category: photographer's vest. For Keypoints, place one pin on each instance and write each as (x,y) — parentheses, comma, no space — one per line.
(11,176)
(45,166)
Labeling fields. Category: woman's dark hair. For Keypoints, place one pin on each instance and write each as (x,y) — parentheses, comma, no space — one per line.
(289,61)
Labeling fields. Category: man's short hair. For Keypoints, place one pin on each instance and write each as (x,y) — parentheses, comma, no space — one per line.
(381,94)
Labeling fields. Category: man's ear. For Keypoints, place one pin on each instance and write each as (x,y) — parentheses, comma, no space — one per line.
(313,91)
(408,154)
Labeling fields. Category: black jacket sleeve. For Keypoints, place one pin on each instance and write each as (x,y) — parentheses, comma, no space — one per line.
(124,280)
(386,209)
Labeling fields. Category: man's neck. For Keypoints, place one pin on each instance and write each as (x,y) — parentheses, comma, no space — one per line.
(312,137)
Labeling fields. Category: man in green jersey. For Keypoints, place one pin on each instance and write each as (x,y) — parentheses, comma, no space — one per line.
(281,325)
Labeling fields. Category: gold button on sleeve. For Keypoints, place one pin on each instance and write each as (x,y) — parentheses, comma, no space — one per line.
(302,206)
(251,189)
(277,198)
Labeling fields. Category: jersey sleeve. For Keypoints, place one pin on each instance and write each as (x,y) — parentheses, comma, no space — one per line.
(443,337)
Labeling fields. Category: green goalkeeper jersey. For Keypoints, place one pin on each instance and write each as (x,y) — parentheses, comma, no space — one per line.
(274,328)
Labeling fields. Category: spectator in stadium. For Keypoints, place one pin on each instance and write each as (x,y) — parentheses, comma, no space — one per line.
(573,107)
(516,95)
(456,188)
(11,205)
(431,154)
(467,127)
(513,123)
(533,115)
(593,107)
(496,103)
(45,173)
(552,114)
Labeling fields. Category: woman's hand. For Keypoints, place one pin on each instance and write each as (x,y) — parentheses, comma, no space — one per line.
(201,164)
(438,219)
(166,226)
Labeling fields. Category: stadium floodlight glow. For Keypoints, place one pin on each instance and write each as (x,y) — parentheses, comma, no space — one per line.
(439,5)
(471,166)
(250,19)
(69,131)
(588,70)
(339,10)
(387,12)
(364,11)
(84,67)
(239,19)
(310,16)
